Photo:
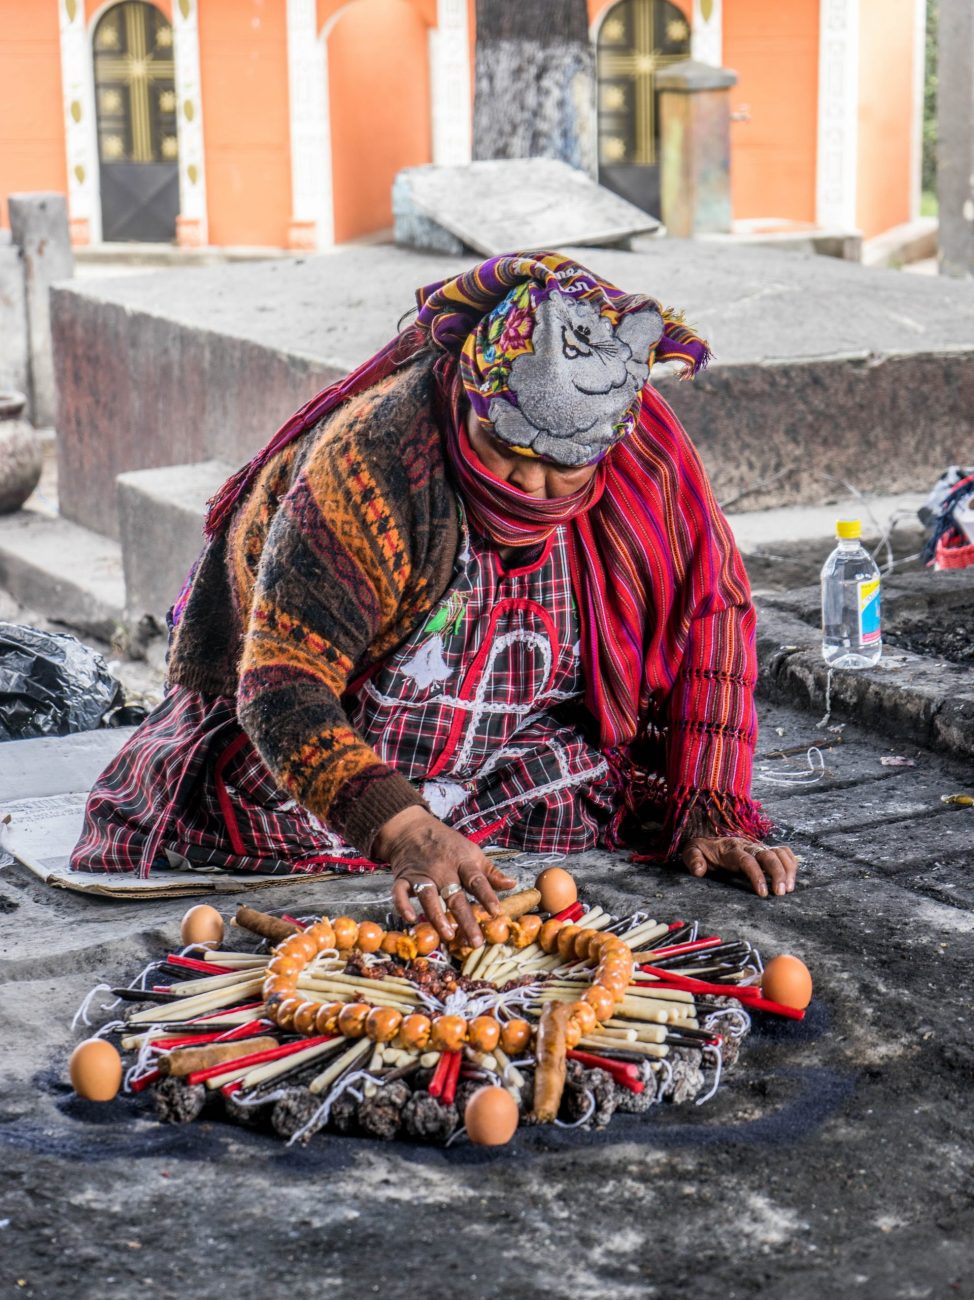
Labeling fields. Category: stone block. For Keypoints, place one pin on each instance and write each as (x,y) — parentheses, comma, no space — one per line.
(160,515)
(694,109)
(14,370)
(39,226)
(498,206)
(955,137)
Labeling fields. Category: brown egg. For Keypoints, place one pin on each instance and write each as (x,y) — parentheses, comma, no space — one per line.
(491,1116)
(484,1034)
(346,932)
(201,924)
(787,980)
(304,1017)
(425,938)
(414,1032)
(448,1033)
(370,936)
(352,1018)
(515,1036)
(558,889)
(383,1024)
(548,935)
(95,1069)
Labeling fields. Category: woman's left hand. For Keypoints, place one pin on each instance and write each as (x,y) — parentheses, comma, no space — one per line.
(759,863)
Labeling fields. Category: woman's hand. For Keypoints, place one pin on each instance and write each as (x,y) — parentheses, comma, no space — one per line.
(426,858)
(743,857)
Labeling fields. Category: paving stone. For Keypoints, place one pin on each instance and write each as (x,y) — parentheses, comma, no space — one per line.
(942,836)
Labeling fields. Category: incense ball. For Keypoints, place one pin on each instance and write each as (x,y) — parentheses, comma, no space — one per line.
(95,1069)
(201,924)
(557,888)
(787,980)
(491,1116)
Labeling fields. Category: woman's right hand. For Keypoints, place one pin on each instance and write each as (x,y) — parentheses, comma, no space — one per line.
(428,857)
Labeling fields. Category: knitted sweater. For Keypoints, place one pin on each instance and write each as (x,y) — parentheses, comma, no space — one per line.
(340,549)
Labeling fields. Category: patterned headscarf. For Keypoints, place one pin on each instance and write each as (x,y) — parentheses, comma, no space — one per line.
(552,357)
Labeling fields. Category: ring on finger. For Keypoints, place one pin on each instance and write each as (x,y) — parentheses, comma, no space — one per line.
(447,892)
(419,885)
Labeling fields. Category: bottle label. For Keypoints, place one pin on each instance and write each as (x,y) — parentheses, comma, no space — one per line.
(869,631)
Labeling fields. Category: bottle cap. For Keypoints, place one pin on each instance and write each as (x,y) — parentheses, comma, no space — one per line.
(848,529)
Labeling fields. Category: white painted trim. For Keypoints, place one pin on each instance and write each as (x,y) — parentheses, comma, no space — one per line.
(919,77)
(707,36)
(81,135)
(309,124)
(186,56)
(451,108)
(838,114)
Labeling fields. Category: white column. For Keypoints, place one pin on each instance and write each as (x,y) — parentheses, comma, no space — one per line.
(449,46)
(838,113)
(191,225)
(707,38)
(312,217)
(80,127)
(919,78)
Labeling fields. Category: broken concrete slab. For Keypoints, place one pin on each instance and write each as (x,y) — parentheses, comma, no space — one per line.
(503,205)
(161,515)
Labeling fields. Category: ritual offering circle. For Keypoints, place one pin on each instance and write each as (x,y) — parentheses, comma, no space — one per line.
(337,1025)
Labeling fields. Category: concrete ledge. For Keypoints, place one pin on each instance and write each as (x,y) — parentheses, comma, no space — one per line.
(70,574)
(910,697)
(160,515)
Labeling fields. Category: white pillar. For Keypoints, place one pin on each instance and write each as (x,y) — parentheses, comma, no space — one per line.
(707,38)
(838,113)
(312,218)
(919,79)
(191,224)
(449,46)
(80,126)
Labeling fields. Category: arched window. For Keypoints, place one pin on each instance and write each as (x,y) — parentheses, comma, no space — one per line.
(636,38)
(135,103)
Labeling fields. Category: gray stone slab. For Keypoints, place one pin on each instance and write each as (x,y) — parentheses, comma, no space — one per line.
(161,527)
(14,371)
(502,205)
(203,364)
(946,835)
(33,769)
(39,226)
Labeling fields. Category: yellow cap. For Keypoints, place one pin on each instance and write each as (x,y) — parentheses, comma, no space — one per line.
(848,529)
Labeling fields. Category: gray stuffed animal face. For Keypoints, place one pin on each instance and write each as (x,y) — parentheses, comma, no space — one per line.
(579,381)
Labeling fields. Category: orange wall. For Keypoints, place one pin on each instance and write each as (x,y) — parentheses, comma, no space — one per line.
(32,150)
(243,71)
(93,7)
(597,7)
(886,114)
(773,48)
(378,79)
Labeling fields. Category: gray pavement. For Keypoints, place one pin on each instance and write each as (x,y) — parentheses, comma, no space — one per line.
(835,1161)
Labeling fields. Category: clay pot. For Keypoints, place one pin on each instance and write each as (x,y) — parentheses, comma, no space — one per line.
(21,457)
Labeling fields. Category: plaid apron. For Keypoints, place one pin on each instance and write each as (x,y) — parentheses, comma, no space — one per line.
(474,708)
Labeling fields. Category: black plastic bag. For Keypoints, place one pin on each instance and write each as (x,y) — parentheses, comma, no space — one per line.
(51,684)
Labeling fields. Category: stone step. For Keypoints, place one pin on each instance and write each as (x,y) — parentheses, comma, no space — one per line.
(69,574)
(160,516)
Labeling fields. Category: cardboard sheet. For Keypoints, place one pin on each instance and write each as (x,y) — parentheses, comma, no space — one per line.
(43,830)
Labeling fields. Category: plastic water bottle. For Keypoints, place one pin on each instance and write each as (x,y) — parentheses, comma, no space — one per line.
(851,635)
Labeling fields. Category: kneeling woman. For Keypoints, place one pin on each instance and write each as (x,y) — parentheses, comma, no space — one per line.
(477,593)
